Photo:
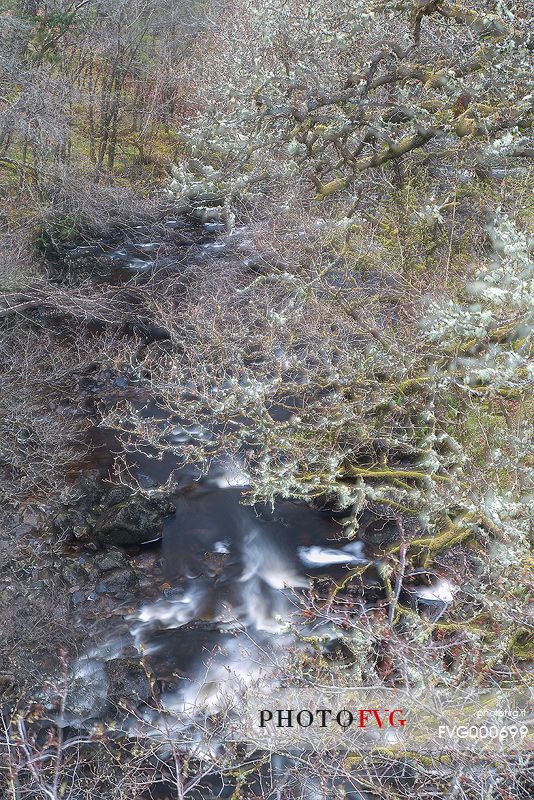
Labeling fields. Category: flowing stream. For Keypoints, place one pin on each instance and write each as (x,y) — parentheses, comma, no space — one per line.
(238,578)
(237,601)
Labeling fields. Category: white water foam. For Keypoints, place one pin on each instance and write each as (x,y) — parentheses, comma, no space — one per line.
(351,553)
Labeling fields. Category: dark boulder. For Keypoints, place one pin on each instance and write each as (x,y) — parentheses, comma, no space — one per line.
(127,681)
(88,689)
(69,526)
(111,517)
(134,520)
(111,559)
(120,582)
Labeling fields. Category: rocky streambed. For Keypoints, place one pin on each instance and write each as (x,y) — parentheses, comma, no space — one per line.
(176,595)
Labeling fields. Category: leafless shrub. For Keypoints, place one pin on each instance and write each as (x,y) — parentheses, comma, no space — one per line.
(94,212)
(42,429)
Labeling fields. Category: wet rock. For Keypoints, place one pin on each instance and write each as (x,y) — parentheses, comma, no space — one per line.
(72,521)
(127,681)
(69,526)
(146,481)
(110,560)
(338,650)
(74,574)
(23,529)
(32,517)
(119,494)
(132,521)
(215,562)
(88,688)
(91,512)
(173,594)
(118,582)
(82,533)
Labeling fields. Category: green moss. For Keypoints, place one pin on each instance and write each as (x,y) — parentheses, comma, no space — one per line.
(55,233)
(521,646)
(478,429)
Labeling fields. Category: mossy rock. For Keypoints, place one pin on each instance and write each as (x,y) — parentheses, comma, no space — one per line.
(128,681)
(133,521)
